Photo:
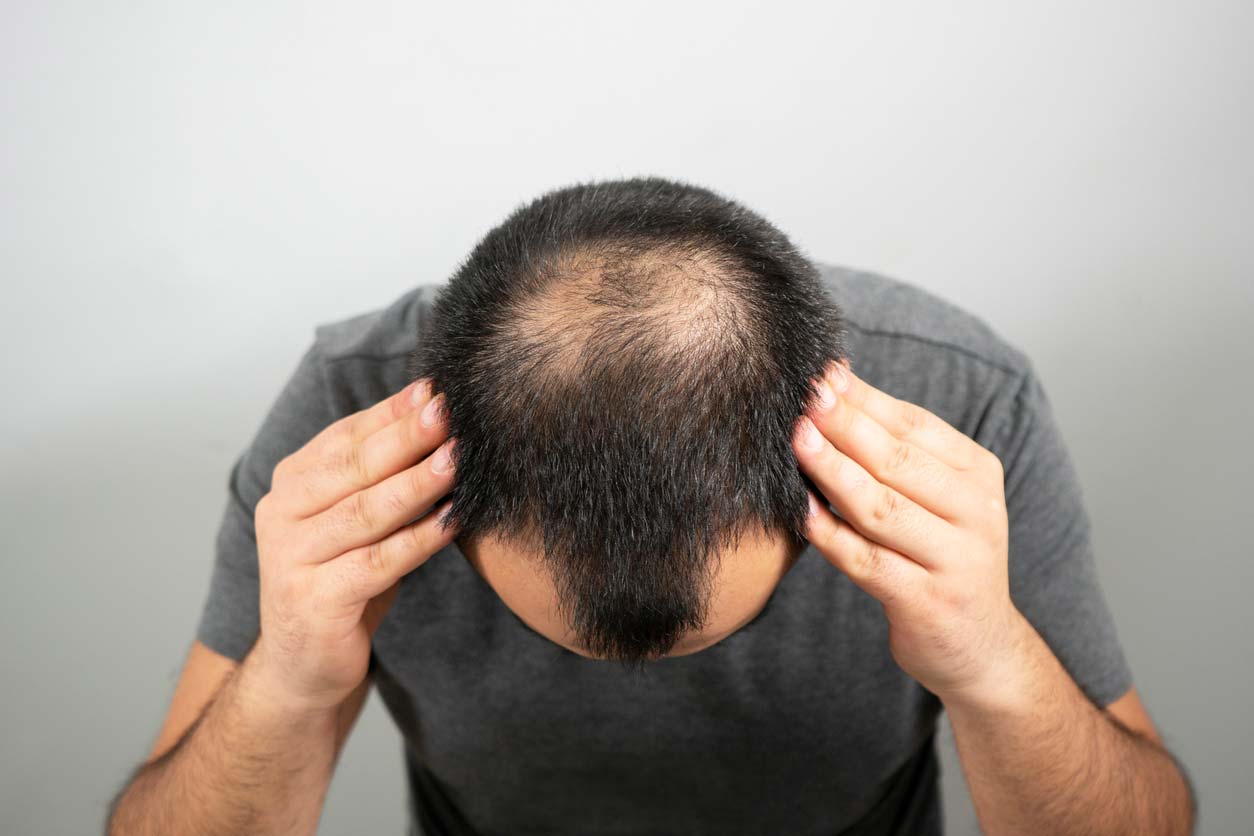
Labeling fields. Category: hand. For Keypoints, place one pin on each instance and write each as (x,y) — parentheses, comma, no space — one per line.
(922,528)
(336,533)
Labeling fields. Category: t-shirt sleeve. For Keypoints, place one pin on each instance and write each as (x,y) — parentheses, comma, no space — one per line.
(229,621)
(1053,572)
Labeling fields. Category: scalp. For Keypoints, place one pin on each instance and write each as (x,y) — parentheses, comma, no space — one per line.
(623,363)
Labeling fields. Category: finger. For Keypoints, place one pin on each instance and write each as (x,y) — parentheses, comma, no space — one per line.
(882,573)
(348,461)
(369,571)
(877,511)
(369,515)
(366,421)
(353,428)
(907,421)
(910,470)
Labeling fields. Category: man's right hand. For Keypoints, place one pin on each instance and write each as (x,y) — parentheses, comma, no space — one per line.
(336,533)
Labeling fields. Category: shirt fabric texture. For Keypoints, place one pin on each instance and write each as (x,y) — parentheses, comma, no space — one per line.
(799,723)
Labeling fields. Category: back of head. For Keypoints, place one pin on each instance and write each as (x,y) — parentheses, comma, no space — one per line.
(623,363)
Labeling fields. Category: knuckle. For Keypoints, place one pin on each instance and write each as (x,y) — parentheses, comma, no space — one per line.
(993,459)
(999,521)
(418,538)
(340,522)
(313,480)
(912,419)
(354,464)
(901,457)
(325,468)
(339,435)
(271,534)
(338,465)
(328,526)
(397,503)
(841,470)
(838,537)
(828,537)
(846,417)
(887,506)
(360,516)
(996,467)
(989,461)
(398,404)
(408,430)
(261,511)
(868,558)
(374,561)
(417,484)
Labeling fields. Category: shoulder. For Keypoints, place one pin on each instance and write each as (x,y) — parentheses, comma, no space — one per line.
(364,357)
(379,333)
(880,307)
(920,347)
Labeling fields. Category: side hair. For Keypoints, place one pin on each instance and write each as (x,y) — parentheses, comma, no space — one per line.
(623,363)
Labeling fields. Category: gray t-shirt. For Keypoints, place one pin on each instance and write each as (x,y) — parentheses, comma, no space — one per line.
(799,723)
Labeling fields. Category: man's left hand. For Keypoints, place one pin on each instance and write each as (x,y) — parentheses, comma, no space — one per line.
(922,527)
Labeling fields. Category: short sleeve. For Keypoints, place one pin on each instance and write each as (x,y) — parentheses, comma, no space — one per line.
(1053,572)
(229,621)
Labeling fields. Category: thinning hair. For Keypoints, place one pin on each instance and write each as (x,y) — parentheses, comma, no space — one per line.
(623,363)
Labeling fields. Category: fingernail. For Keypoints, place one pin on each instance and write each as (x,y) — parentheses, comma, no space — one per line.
(839,379)
(814,506)
(443,458)
(826,396)
(420,392)
(431,415)
(810,437)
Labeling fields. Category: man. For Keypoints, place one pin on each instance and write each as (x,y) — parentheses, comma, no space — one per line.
(697,570)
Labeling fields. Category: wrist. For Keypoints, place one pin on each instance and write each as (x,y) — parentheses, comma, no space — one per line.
(264,685)
(1008,684)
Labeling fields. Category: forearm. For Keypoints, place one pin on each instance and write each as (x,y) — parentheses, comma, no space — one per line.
(1039,757)
(249,765)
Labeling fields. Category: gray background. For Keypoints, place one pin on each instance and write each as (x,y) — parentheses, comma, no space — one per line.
(186,189)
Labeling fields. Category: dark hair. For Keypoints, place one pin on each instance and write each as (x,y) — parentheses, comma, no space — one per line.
(623,363)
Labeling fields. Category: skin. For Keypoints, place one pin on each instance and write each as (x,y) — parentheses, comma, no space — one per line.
(251,746)
(743,581)
(923,527)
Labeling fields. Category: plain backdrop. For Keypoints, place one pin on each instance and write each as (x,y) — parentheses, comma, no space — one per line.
(186,189)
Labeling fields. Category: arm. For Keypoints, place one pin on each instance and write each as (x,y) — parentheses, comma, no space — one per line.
(923,528)
(204,672)
(248,763)
(1037,750)
(252,748)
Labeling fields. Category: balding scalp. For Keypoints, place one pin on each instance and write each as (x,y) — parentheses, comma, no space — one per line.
(623,362)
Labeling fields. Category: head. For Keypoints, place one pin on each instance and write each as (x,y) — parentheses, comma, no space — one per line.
(623,363)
